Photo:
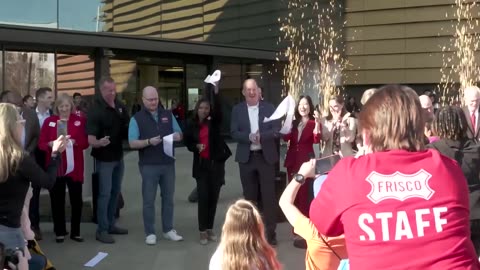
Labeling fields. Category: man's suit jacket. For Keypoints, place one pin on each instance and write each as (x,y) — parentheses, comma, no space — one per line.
(471,134)
(240,130)
(32,129)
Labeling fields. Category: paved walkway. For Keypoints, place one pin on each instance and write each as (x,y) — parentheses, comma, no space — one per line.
(130,251)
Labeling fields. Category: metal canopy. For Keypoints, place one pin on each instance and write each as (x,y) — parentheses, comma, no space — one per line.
(78,41)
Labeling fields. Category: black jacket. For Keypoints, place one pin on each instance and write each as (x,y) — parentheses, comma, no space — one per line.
(466,153)
(219,150)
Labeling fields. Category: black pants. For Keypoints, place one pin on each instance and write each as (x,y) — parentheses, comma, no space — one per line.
(258,182)
(34,208)
(209,182)
(57,197)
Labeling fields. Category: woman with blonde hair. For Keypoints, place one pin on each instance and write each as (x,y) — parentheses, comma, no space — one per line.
(17,171)
(70,172)
(243,245)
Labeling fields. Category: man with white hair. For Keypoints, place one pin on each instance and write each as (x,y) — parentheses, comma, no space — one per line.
(145,132)
(471,97)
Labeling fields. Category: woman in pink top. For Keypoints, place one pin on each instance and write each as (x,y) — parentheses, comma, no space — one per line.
(400,206)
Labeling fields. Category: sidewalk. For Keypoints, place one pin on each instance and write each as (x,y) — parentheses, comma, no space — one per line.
(130,251)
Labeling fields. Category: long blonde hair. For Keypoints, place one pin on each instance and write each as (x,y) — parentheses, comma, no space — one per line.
(243,243)
(11,152)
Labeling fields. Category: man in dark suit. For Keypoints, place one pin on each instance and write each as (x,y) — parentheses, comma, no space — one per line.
(471,96)
(32,128)
(257,152)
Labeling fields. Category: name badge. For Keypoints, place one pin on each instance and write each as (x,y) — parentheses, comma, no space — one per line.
(77,123)
(164,119)
(52,124)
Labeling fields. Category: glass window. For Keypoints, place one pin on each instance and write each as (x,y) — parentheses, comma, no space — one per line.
(75,74)
(30,13)
(24,72)
(1,70)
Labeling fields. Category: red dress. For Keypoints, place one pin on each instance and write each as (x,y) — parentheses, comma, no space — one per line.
(76,130)
(398,210)
(300,151)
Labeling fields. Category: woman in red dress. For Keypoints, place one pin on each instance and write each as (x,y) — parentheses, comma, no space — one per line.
(305,132)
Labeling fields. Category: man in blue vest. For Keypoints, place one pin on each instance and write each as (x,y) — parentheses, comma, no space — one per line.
(146,130)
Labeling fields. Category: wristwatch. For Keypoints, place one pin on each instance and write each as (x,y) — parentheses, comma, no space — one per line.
(299,178)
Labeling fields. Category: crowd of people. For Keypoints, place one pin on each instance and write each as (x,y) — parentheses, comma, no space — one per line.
(406,183)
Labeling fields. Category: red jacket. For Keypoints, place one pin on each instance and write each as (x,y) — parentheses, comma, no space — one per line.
(299,150)
(398,210)
(76,130)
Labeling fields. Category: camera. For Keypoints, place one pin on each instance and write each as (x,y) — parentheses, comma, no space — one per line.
(8,256)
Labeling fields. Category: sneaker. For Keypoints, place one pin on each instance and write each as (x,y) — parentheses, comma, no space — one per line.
(211,236)
(118,230)
(172,236)
(105,238)
(203,238)
(151,239)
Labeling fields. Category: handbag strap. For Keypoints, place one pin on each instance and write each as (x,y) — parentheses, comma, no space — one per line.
(336,255)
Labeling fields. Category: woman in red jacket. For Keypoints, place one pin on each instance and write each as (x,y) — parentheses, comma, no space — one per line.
(305,132)
(70,172)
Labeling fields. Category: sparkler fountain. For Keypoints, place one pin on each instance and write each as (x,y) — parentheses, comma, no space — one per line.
(314,49)
(459,64)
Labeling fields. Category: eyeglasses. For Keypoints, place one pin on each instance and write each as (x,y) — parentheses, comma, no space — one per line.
(150,99)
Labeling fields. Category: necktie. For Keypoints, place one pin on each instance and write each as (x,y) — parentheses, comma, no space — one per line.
(474,120)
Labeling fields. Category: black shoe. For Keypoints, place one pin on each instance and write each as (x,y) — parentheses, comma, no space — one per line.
(193,197)
(272,240)
(77,238)
(60,239)
(300,243)
(118,230)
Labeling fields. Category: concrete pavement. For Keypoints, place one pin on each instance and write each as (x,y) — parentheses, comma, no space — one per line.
(131,252)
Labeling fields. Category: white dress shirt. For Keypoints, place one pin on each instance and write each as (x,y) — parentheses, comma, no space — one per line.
(253,117)
(476,119)
(42,116)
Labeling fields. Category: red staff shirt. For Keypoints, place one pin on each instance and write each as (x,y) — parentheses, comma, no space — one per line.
(398,210)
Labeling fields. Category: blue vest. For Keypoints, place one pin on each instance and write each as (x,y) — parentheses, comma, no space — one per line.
(148,128)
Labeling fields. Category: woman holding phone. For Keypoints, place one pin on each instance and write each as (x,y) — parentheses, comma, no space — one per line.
(70,172)
(338,129)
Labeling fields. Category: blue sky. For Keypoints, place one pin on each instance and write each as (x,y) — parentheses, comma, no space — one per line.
(74,14)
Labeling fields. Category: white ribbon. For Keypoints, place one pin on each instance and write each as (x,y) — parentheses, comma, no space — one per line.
(287,106)
(168,145)
(214,78)
(70,159)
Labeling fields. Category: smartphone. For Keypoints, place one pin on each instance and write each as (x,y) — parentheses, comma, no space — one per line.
(324,165)
(61,128)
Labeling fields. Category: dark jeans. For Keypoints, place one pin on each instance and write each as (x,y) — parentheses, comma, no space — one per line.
(57,198)
(258,182)
(34,208)
(209,182)
(110,176)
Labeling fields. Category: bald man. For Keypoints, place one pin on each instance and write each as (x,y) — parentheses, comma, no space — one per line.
(145,132)
(471,97)
(257,152)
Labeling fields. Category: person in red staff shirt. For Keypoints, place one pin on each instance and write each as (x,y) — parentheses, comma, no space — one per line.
(66,122)
(400,206)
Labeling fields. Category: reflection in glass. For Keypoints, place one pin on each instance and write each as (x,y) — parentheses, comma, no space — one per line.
(30,13)
(75,74)
(27,71)
(1,71)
